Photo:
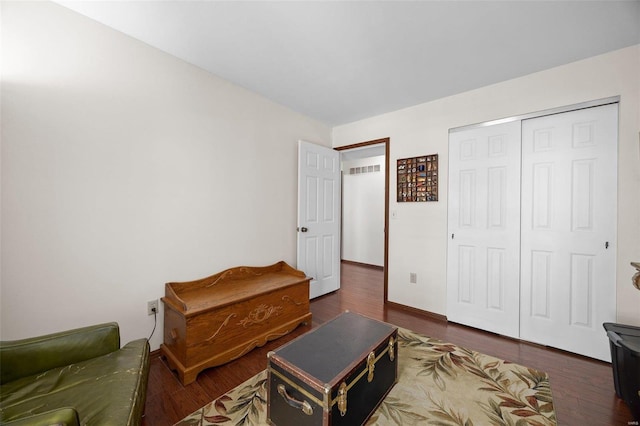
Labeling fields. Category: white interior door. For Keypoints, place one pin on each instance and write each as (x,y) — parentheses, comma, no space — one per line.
(483,222)
(319,216)
(569,184)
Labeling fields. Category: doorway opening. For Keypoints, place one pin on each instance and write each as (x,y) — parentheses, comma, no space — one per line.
(362,156)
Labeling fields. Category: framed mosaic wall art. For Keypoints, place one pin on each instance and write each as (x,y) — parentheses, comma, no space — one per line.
(418,179)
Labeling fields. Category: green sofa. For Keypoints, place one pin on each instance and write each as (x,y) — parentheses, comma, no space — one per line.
(75,377)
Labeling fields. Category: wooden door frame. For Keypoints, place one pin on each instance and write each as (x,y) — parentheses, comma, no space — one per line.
(386,142)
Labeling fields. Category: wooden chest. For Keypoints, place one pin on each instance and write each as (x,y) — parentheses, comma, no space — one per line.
(337,374)
(214,320)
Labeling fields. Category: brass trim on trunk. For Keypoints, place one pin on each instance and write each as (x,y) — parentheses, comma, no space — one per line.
(364,371)
(344,388)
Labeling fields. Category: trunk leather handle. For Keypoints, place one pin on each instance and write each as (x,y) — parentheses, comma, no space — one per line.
(301,405)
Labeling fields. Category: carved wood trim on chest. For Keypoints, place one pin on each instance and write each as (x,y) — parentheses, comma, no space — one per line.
(214,320)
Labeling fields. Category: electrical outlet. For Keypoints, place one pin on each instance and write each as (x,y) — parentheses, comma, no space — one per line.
(152,307)
(413,277)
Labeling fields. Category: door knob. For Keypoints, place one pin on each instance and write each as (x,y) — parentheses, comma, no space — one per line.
(303,229)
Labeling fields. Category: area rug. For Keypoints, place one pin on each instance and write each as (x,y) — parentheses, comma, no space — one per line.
(439,384)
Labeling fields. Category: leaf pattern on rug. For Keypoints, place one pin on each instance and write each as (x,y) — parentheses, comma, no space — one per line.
(531,401)
(243,406)
(439,384)
(441,363)
(447,416)
(394,411)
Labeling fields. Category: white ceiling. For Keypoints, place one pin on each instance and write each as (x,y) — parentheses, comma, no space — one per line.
(340,61)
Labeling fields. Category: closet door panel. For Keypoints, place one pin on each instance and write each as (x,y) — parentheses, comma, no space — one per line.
(484,216)
(569,164)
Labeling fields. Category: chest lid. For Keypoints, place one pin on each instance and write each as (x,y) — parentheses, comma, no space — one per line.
(330,351)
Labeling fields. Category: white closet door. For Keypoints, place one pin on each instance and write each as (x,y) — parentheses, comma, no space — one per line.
(483,222)
(569,183)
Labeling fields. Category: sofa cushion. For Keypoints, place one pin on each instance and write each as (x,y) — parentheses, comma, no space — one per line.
(61,416)
(35,355)
(107,390)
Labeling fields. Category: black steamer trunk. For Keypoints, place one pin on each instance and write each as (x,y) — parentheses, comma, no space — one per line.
(334,375)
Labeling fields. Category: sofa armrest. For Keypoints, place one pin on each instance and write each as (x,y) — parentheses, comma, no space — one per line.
(20,358)
(59,417)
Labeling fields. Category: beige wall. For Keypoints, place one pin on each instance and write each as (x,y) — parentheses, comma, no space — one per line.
(124,168)
(417,236)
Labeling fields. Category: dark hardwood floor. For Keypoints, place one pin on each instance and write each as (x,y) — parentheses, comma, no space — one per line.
(582,388)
